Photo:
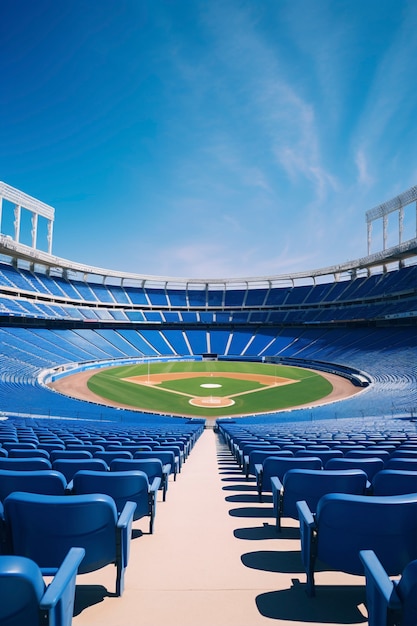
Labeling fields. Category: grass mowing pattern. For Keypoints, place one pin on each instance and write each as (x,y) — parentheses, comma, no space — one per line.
(310,387)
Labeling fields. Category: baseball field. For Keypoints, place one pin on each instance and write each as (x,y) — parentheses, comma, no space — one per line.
(208,389)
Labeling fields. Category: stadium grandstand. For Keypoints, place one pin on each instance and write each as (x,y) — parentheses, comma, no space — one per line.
(357,320)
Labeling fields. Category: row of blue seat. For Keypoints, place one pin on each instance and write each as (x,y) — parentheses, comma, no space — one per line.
(26,351)
(311,484)
(347,522)
(45,527)
(91,508)
(78,291)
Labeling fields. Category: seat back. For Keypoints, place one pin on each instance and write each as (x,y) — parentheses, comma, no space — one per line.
(48,482)
(350,523)
(370,465)
(369,452)
(131,448)
(401,463)
(43,528)
(37,463)
(69,467)
(152,467)
(49,447)
(258,455)
(125,486)
(21,589)
(177,450)
(109,455)
(259,445)
(70,454)
(84,447)
(275,466)
(28,453)
(165,456)
(404,453)
(18,445)
(311,485)
(324,455)
(390,482)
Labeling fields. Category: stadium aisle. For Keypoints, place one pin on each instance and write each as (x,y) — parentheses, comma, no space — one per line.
(214,560)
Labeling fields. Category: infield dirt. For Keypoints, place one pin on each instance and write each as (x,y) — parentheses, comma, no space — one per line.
(76,387)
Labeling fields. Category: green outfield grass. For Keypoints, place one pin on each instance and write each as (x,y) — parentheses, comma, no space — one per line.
(168,396)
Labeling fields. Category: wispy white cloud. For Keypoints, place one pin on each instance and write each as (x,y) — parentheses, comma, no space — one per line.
(287,120)
(391,99)
(364,177)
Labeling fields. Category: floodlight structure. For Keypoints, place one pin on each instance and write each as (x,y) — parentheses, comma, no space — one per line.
(23,254)
(383,210)
(37,208)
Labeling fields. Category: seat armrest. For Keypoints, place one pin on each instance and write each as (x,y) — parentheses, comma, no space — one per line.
(166,469)
(154,486)
(5,539)
(305,515)
(277,495)
(381,594)
(377,576)
(308,532)
(69,489)
(126,516)
(124,535)
(64,579)
(259,474)
(258,468)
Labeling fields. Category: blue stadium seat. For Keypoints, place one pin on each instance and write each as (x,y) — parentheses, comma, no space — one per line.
(153,468)
(36,463)
(44,528)
(69,467)
(391,482)
(276,466)
(25,599)
(345,524)
(49,482)
(126,486)
(389,601)
(310,486)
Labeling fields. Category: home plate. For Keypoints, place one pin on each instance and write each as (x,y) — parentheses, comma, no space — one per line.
(211,402)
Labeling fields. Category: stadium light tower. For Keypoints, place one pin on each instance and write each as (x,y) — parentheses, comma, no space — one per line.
(35,207)
(383,210)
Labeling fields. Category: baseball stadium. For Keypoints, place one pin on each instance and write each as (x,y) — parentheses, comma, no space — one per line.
(217,393)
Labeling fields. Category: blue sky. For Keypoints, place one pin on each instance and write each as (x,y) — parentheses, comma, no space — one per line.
(210,138)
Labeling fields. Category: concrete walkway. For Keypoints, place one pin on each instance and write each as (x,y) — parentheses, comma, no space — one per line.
(215,560)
